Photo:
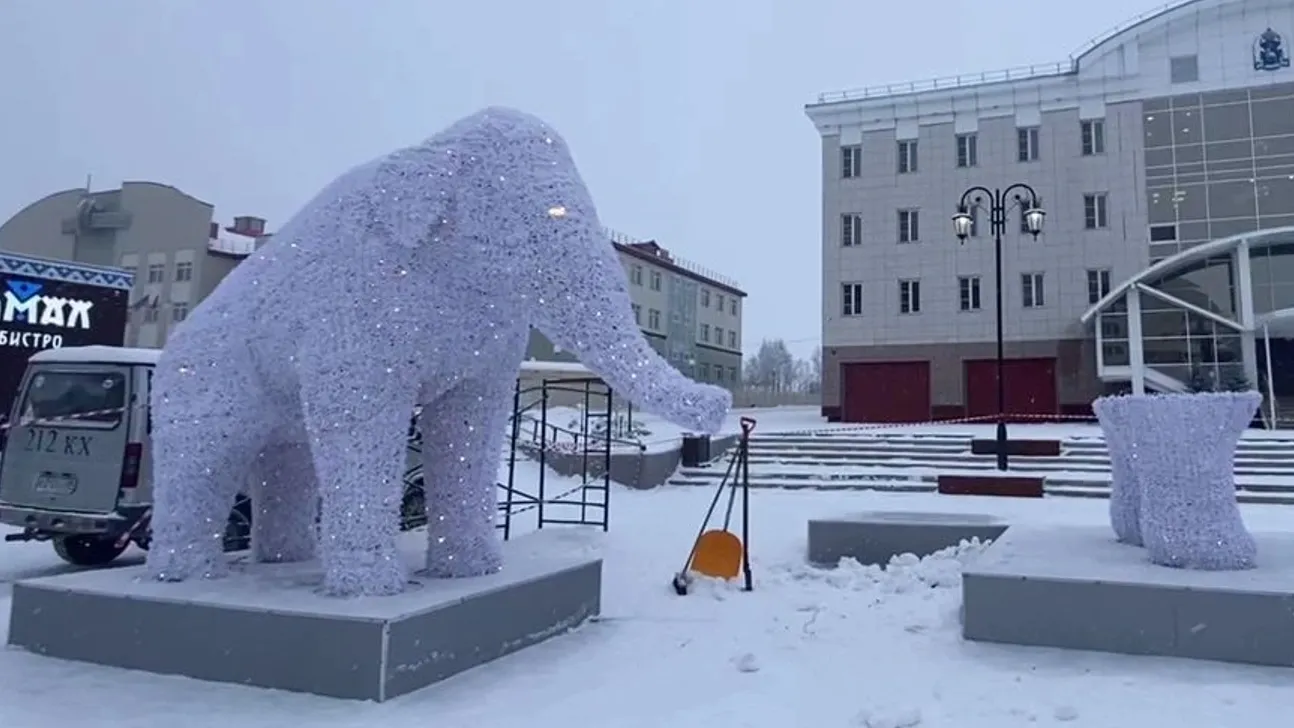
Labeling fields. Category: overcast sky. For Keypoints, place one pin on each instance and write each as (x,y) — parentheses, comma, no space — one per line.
(686,116)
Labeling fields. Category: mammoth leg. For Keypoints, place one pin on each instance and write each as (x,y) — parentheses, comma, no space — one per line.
(203,444)
(285,497)
(357,419)
(463,433)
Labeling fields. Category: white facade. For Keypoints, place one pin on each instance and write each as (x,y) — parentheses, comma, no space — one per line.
(1105,84)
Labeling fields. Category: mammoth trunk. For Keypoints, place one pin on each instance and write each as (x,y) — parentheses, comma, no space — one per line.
(585,308)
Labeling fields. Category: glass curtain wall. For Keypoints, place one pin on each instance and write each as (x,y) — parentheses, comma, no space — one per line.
(1218,164)
(681,324)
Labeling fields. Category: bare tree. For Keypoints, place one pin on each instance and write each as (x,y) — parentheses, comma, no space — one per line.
(772,367)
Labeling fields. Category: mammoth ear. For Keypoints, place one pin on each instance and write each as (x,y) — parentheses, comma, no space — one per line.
(410,200)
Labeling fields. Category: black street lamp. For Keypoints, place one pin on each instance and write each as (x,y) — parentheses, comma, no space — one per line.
(998,202)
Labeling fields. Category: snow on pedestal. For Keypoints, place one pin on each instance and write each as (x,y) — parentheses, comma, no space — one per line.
(1182,455)
(1125,491)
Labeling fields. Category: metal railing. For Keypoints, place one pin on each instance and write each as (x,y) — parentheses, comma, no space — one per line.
(1070,65)
(687,265)
(231,247)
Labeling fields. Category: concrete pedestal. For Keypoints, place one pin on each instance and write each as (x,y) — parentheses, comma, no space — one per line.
(876,537)
(264,625)
(1076,587)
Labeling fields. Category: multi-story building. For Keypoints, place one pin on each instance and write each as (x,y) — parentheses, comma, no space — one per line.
(164,236)
(1163,155)
(690,315)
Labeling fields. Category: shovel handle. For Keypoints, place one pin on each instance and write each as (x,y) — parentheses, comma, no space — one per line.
(747,425)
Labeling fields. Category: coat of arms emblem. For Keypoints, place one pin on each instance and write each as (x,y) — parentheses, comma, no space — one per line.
(1270,53)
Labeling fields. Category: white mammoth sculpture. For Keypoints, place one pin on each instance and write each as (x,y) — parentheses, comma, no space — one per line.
(1185,465)
(411,280)
(1121,442)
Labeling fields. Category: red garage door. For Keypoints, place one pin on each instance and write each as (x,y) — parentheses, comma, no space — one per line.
(1030,387)
(892,391)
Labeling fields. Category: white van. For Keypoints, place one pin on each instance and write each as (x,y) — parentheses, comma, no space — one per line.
(76,467)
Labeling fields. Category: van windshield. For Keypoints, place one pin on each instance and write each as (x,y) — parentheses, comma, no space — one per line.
(85,398)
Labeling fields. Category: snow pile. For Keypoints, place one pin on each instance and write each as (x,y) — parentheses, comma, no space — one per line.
(905,573)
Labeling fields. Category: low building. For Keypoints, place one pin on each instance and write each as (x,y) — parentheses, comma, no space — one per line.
(691,315)
(165,237)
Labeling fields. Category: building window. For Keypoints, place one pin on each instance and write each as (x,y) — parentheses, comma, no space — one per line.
(1163,233)
(718,335)
(705,371)
(638,314)
(732,374)
(732,339)
(910,296)
(718,304)
(1098,284)
(156,272)
(851,229)
(150,315)
(1093,133)
(1095,214)
(705,332)
(655,280)
(968,293)
(907,156)
(1184,69)
(732,306)
(851,299)
(1027,144)
(653,319)
(1024,221)
(179,311)
(183,272)
(967,150)
(636,275)
(851,161)
(705,297)
(1033,295)
(909,226)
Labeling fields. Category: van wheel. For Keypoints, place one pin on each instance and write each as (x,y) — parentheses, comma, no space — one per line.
(238,531)
(413,506)
(87,550)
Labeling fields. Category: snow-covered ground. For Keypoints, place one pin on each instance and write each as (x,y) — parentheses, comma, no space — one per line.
(808,648)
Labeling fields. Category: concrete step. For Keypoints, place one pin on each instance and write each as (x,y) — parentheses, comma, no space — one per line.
(1273,446)
(896,450)
(1252,482)
(858,447)
(1088,491)
(1250,461)
(1242,466)
(849,441)
(888,486)
(1274,453)
(1054,490)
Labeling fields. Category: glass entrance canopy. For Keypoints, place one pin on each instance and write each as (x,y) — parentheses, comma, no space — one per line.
(1211,312)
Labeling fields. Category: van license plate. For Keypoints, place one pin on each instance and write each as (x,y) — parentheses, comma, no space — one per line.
(56,484)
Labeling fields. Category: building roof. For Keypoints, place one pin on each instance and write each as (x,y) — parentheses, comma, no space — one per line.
(1186,258)
(1137,25)
(651,252)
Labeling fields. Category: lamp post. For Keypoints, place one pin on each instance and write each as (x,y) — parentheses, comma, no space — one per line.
(999,202)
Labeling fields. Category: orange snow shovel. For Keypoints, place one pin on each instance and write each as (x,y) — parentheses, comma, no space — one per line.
(718,552)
